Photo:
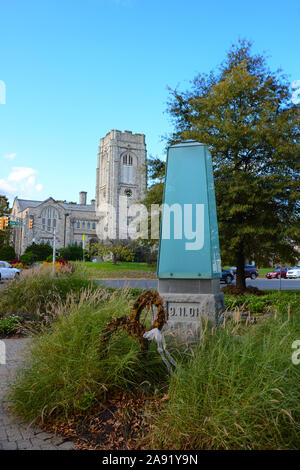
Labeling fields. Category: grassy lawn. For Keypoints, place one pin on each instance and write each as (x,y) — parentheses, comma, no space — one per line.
(264,271)
(131,270)
(121,270)
(237,389)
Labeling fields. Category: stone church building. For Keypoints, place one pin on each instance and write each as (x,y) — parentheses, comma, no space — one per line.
(120,172)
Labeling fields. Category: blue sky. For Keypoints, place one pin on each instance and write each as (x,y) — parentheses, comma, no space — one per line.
(74,69)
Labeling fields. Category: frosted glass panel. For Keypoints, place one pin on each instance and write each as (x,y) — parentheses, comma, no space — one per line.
(189,241)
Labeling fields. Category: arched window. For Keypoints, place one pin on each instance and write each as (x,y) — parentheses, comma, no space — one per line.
(127,159)
(127,168)
(49,218)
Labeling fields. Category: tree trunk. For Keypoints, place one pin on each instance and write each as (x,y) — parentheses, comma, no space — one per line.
(114,259)
(240,271)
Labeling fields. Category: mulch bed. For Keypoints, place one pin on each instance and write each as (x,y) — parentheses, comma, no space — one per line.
(120,424)
(12,336)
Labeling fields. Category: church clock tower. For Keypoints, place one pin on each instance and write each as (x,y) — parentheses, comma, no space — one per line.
(120,171)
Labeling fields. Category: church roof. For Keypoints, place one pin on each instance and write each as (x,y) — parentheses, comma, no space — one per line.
(78,207)
(25,203)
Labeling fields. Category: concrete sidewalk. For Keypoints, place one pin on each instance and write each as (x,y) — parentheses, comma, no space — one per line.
(15,435)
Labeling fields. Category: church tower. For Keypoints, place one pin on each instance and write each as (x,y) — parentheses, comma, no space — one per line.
(121,170)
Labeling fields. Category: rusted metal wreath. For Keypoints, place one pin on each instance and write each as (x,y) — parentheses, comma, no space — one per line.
(132,323)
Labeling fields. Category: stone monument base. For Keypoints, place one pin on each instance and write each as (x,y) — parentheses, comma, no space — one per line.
(189,302)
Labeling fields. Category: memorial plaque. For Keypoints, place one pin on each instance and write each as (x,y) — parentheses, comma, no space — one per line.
(184,310)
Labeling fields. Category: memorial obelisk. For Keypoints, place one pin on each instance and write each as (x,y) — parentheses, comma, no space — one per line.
(189,263)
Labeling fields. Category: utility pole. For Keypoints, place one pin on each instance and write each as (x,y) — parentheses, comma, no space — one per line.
(83,253)
(54,251)
(280,276)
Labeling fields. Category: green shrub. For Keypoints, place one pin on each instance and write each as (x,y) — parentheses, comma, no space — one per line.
(117,250)
(28,258)
(7,253)
(72,253)
(142,250)
(40,251)
(9,325)
(36,294)
(67,370)
(239,390)
(50,258)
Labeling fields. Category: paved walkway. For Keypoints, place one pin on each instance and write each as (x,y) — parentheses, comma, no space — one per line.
(14,434)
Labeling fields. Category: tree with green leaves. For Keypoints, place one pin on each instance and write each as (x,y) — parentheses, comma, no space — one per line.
(5,235)
(154,195)
(7,253)
(116,249)
(156,174)
(244,113)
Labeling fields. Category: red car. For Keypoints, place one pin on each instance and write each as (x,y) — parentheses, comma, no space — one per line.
(275,274)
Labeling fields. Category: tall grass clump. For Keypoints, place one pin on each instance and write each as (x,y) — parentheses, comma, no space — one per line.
(281,300)
(37,291)
(239,390)
(67,370)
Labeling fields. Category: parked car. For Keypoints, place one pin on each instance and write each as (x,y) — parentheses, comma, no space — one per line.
(293,273)
(7,271)
(250,271)
(227,276)
(275,274)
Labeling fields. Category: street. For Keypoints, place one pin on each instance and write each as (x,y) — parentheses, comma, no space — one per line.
(263,284)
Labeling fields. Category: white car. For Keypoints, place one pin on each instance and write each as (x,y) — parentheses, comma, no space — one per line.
(7,271)
(293,273)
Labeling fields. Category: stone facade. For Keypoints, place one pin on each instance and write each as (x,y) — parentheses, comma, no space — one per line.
(120,171)
(70,220)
